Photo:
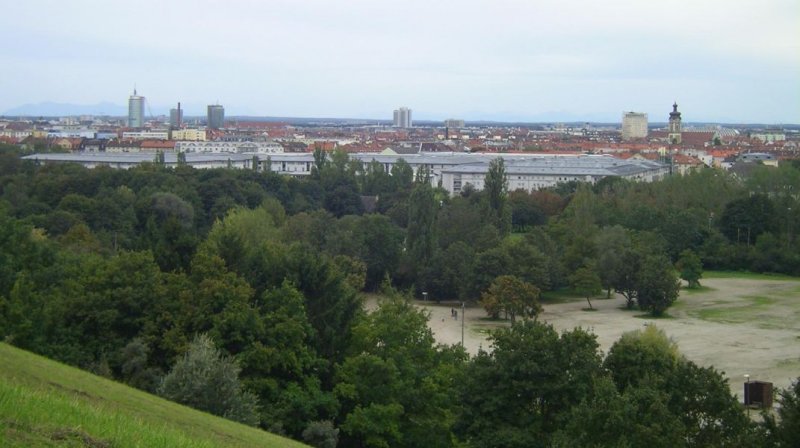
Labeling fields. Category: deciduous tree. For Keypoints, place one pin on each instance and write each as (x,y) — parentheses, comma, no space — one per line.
(690,267)
(512,296)
(657,285)
(586,282)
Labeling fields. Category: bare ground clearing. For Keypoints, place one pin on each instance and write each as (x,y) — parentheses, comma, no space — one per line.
(740,326)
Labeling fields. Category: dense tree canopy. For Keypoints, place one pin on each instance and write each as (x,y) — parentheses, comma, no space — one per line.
(118,271)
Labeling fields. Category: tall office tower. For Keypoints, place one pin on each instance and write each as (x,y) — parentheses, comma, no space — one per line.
(175,117)
(402,117)
(675,125)
(634,125)
(135,110)
(216,116)
(453,123)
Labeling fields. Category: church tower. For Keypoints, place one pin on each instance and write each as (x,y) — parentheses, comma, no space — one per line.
(675,125)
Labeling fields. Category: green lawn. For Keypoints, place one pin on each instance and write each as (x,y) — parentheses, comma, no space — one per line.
(748,309)
(746,275)
(565,295)
(698,290)
(47,404)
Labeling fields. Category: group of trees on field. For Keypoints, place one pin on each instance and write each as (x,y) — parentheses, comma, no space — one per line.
(246,286)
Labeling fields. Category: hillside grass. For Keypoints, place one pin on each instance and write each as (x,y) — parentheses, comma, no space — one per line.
(47,404)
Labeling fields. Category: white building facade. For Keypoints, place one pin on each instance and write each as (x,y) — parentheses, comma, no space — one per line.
(402,118)
(634,125)
(220,147)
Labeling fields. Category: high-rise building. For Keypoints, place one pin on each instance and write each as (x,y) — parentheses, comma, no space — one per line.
(402,118)
(135,110)
(216,116)
(674,125)
(634,125)
(175,117)
(453,123)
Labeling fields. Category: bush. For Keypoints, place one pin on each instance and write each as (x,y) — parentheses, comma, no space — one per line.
(207,380)
(321,434)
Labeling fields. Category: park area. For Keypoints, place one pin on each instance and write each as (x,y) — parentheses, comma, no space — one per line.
(742,324)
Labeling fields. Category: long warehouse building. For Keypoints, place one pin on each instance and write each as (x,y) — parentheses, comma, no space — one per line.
(452,171)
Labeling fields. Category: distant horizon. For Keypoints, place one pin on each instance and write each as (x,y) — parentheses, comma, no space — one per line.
(53,110)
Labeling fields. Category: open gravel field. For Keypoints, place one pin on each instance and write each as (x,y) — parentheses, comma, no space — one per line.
(738,325)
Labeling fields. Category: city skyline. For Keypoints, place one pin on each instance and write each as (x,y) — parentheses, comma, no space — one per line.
(504,61)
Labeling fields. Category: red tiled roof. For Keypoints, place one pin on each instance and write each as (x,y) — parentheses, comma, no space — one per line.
(158,144)
(683,159)
(696,138)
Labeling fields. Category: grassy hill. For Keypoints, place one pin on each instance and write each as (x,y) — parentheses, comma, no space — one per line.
(47,404)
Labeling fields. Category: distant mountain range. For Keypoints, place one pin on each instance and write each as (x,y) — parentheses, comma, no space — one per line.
(51,109)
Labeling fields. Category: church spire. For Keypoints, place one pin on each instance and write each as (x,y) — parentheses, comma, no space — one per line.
(675,125)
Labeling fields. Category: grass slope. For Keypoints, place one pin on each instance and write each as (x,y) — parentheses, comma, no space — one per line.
(47,404)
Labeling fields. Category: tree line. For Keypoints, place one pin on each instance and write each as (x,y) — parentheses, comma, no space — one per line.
(133,274)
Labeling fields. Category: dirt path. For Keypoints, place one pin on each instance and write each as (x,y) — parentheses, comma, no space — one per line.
(740,326)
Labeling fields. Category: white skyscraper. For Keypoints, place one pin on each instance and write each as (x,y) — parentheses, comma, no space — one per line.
(402,118)
(135,110)
(634,125)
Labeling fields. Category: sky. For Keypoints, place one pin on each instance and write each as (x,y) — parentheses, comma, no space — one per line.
(505,60)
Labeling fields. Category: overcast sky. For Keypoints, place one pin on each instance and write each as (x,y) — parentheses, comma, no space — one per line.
(531,60)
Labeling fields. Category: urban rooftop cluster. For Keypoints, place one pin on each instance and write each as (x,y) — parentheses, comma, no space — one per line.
(456,152)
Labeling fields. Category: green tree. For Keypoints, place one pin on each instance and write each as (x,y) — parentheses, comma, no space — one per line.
(743,220)
(397,388)
(657,285)
(280,366)
(402,175)
(354,271)
(586,282)
(711,417)
(525,211)
(690,267)
(376,180)
(321,434)
(169,230)
(784,430)
(320,161)
(612,244)
(512,296)
(520,394)
(637,417)
(383,243)
(639,356)
(449,268)
(496,187)
(331,304)
(421,235)
(625,281)
(457,222)
(700,407)
(206,379)
(135,368)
